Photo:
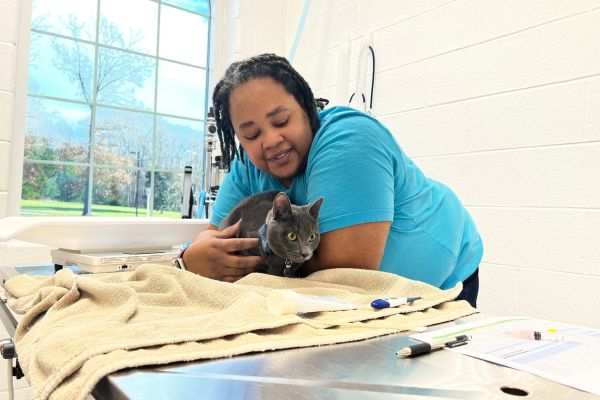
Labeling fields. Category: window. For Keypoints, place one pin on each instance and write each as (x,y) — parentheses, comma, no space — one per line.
(116,106)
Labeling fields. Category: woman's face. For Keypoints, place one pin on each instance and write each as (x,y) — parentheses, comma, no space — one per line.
(272,128)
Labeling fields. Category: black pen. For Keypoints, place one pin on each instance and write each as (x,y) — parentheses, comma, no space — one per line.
(424,348)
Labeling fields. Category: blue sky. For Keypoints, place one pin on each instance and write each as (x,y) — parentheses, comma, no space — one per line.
(180,87)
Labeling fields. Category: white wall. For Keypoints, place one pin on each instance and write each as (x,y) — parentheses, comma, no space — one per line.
(240,31)
(8,40)
(498,99)
(14,36)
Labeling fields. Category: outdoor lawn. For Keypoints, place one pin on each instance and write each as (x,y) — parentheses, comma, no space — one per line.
(61,208)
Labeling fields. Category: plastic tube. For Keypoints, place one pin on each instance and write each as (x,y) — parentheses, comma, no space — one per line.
(299,31)
(282,301)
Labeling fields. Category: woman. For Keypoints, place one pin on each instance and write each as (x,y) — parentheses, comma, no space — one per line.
(380,211)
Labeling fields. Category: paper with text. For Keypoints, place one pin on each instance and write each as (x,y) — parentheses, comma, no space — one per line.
(567,354)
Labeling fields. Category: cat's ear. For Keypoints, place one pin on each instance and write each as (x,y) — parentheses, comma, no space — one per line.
(314,207)
(281,205)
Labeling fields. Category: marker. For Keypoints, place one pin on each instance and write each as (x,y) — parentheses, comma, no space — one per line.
(425,348)
(393,302)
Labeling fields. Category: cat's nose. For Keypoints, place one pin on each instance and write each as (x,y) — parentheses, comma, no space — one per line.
(306,255)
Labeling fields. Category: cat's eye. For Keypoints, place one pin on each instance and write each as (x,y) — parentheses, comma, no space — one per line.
(312,237)
(291,236)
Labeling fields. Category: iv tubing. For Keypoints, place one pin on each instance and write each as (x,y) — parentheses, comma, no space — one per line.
(299,31)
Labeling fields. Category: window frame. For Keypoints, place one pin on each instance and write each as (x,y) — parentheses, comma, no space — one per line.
(22,95)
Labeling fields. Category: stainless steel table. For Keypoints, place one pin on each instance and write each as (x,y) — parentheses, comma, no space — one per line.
(362,370)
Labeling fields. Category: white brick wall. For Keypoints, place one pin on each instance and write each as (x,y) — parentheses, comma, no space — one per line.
(7,66)
(8,29)
(6,115)
(8,21)
(4,160)
(501,101)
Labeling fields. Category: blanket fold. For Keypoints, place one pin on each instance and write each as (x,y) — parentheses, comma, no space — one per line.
(78,328)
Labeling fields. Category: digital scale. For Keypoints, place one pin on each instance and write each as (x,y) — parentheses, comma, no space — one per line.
(112,261)
(104,244)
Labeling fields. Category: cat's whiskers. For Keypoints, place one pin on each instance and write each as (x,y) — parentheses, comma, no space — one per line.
(294,257)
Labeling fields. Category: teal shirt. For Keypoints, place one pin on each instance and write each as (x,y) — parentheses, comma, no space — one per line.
(364,176)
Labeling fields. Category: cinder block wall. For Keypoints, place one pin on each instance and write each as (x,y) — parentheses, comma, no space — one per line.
(8,40)
(500,100)
(13,252)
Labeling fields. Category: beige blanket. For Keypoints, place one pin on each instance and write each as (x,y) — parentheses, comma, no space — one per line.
(78,328)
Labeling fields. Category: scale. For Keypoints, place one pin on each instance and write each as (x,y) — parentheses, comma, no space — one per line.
(104,244)
(112,261)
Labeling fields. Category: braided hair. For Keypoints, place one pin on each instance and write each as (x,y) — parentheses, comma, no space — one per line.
(261,66)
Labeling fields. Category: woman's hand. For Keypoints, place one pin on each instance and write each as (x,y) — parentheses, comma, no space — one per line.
(213,254)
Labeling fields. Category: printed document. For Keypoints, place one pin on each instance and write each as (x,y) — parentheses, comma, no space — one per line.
(567,354)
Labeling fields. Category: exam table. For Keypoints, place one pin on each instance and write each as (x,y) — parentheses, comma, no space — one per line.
(362,370)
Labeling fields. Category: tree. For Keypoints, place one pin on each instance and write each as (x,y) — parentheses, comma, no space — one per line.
(118,73)
(51,181)
(168,192)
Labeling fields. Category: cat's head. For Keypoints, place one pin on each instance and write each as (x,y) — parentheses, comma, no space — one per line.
(293,231)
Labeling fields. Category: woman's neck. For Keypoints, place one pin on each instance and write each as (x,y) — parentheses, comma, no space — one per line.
(286,182)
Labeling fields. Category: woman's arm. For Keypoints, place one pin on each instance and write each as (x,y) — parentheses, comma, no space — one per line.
(352,166)
(356,246)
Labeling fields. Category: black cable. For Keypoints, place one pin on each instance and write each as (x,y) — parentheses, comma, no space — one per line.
(321,102)
(363,99)
(372,78)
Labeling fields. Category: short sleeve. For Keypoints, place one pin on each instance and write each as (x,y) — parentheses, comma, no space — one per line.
(234,188)
(351,166)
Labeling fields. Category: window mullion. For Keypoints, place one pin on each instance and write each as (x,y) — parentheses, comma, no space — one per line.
(90,186)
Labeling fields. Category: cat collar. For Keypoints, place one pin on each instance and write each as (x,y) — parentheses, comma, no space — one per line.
(262,234)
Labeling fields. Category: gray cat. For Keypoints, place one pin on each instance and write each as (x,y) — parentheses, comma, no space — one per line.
(289,233)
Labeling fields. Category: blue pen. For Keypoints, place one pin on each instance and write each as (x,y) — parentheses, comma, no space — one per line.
(393,302)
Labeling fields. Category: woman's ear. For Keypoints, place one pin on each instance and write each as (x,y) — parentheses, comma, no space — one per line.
(315,207)
(281,205)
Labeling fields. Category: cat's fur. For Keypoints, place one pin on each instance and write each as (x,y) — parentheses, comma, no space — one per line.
(289,229)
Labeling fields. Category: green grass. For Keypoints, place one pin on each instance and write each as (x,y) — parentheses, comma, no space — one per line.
(61,208)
